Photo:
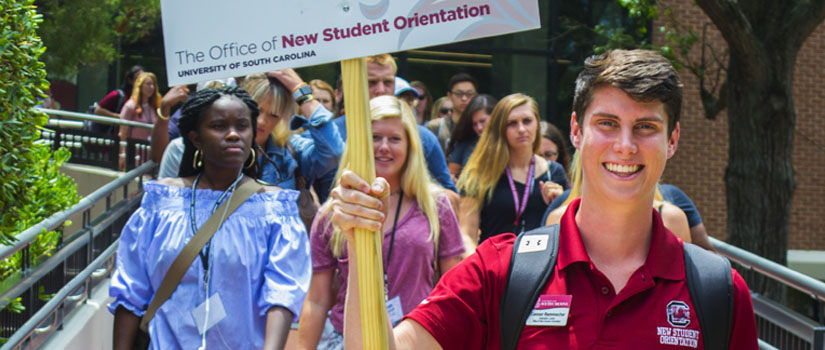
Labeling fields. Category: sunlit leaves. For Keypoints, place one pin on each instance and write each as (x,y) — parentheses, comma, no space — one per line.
(82,33)
(31,185)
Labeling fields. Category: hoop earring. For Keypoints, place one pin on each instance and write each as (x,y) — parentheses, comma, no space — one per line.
(197,159)
(254,158)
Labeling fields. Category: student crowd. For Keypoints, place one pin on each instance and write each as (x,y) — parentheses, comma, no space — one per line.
(258,166)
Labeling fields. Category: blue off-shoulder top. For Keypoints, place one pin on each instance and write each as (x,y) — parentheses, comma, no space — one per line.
(260,259)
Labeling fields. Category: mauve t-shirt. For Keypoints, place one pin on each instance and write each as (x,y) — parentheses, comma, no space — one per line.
(410,273)
(148,115)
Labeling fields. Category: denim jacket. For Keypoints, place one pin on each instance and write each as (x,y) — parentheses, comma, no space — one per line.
(316,152)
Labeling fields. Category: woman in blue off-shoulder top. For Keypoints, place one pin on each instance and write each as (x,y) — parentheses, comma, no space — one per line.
(256,269)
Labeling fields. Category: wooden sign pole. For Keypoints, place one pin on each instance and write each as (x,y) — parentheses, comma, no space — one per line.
(367,244)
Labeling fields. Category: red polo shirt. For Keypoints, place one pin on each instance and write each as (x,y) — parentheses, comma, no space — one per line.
(653,311)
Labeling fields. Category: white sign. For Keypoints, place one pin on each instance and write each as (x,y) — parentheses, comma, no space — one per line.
(213,39)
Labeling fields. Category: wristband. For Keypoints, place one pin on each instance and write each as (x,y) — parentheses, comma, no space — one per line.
(304,99)
(302,84)
(301,92)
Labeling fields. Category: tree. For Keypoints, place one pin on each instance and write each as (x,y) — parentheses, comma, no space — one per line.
(87,32)
(763,39)
(31,185)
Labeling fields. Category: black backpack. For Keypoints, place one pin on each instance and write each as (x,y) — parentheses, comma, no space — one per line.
(711,290)
(101,128)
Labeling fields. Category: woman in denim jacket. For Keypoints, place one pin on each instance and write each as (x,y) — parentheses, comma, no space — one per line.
(286,151)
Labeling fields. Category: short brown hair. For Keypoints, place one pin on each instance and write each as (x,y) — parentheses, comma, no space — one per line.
(644,75)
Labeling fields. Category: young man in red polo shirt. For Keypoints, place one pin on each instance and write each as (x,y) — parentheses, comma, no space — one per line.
(619,273)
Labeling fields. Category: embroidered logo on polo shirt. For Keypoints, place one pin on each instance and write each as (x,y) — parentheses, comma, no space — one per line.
(678,314)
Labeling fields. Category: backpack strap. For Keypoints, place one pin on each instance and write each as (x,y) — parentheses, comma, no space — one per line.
(711,290)
(532,263)
(121,98)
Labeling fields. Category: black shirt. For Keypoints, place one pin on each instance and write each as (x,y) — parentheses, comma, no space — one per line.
(498,214)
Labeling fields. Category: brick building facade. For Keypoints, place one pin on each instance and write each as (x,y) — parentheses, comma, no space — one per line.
(699,165)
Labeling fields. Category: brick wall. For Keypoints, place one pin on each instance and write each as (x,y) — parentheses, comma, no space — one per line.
(699,164)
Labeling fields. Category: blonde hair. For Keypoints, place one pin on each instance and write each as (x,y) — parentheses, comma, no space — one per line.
(319,84)
(137,92)
(575,176)
(435,113)
(383,60)
(491,155)
(271,92)
(415,178)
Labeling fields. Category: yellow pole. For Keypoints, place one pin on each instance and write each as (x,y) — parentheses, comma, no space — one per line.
(367,244)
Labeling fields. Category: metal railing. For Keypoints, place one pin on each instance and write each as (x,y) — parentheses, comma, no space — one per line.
(95,118)
(81,261)
(95,148)
(777,324)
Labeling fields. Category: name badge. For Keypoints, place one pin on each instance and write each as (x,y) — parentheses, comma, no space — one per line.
(394,310)
(550,311)
(209,313)
(533,243)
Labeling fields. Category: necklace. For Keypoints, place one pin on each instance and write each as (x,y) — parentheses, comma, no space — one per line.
(204,254)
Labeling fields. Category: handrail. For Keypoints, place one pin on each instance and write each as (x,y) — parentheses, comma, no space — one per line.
(25,237)
(64,123)
(96,118)
(792,323)
(76,242)
(802,282)
(30,325)
(59,123)
(763,345)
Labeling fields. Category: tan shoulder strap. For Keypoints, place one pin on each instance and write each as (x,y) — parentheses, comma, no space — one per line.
(191,250)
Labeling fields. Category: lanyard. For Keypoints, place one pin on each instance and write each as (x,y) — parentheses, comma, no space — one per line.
(205,252)
(527,186)
(392,242)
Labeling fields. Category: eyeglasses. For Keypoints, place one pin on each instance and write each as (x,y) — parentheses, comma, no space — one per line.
(443,110)
(464,94)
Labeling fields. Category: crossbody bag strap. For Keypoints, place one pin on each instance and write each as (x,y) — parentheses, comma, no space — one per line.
(532,263)
(191,250)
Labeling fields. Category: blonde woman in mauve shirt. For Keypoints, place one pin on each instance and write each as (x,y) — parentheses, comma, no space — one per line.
(421,229)
(141,107)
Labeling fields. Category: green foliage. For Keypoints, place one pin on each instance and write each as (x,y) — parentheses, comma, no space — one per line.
(42,295)
(87,32)
(709,67)
(680,39)
(31,185)
(18,305)
(586,26)
(634,35)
